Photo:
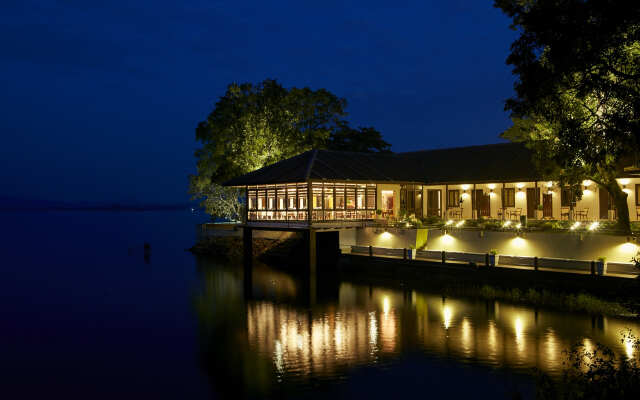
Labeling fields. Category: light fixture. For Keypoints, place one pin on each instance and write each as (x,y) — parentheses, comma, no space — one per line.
(575,226)
(449,222)
(549,184)
(518,226)
(460,223)
(593,226)
(506,224)
(492,186)
(465,187)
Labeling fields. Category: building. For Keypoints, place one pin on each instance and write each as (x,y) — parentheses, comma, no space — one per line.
(498,181)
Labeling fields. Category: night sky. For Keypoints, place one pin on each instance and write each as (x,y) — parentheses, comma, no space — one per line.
(100,99)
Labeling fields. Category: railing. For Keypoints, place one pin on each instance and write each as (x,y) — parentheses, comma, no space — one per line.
(558,264)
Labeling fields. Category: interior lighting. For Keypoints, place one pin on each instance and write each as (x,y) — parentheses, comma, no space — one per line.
(575,226)
(593,226)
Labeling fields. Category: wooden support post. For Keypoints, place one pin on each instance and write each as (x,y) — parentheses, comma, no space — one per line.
(486,259)
(593,267)
(535,263)
(404,254)
(444,258)
(370,251)
(313,260)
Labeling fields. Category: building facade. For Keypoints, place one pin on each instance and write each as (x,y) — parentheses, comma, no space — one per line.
(492,181)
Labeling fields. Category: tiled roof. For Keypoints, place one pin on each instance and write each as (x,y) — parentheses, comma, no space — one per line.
(495,162)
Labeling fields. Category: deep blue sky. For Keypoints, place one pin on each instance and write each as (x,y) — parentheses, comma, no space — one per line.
(100,99)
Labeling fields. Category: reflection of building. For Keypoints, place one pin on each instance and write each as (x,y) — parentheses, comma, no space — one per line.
(378,324)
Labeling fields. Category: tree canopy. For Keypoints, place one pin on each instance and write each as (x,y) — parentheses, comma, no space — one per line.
(577,100)
(254,125)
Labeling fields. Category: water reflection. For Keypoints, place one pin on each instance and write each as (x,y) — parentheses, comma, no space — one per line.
(273,335)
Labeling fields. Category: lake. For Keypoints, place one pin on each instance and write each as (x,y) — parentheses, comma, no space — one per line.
(87,314)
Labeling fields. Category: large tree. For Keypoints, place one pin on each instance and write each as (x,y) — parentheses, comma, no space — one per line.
(256,125)
(577,98)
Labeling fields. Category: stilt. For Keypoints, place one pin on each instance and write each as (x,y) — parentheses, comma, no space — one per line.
(313,260)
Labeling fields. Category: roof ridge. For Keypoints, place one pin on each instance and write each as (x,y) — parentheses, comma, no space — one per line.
(475,146)
(310,165)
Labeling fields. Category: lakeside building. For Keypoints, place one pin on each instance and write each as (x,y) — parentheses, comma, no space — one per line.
(498,181)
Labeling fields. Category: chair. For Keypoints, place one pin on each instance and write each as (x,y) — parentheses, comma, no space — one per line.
(515,213)
(582,214)
(564,212)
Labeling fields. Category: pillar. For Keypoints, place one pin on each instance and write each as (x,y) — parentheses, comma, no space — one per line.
(313,260)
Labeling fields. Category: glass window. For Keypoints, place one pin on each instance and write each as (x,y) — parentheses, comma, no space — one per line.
(291,197)
(328,196)
(351,197)
(509,197)
(271,199)
(371,197)
(302,198)
(262,199)
(360,203)
(253,199)
(281,194)
(453,197)
(316,196)
(340,203)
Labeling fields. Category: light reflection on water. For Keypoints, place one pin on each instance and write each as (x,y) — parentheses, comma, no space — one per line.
(361,325)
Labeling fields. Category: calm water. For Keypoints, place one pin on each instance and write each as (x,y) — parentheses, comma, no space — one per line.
(85,315)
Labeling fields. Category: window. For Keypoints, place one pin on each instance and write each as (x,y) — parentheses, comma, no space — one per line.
(508,197)
(566,197)
(339,197)
(453,198)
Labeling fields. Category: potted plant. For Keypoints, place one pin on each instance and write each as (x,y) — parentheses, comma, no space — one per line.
(493,257)
(378,213)
(539,212)
(601,266)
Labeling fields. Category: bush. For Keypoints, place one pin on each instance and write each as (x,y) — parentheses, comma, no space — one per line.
(594,374)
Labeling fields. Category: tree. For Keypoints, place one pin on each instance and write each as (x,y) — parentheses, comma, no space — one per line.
(256,125)
(577,101)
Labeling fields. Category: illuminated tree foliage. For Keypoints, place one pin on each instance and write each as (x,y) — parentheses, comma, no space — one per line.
(577,98)
(256,125)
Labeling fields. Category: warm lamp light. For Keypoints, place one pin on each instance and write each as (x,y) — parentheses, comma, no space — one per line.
(520,185)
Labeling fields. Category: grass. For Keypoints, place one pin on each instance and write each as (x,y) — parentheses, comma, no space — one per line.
(580,302)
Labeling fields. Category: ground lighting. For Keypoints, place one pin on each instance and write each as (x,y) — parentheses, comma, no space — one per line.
(459,224)
(506,224)
(449,222)
(593,226)
(575,226)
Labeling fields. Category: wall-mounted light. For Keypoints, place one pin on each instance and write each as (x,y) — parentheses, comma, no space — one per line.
(549,184)
(465,187)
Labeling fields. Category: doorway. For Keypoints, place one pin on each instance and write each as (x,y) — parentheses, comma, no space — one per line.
(547,205)
(482,204)
(533,199)
(434,203)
